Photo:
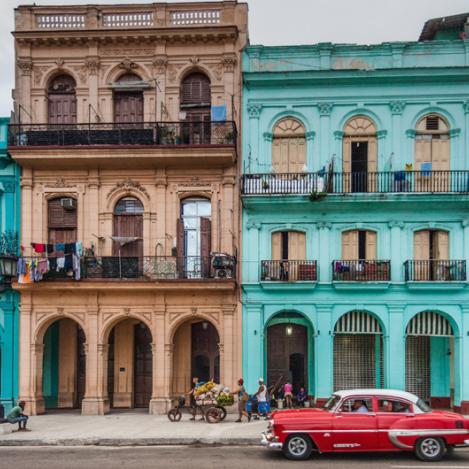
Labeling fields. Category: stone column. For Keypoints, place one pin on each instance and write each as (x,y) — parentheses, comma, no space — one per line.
(324,266)
(227,374)
(325,110)
(251,261)
(27,370)
(461,349)
(323,354)
(397,260)
(67,363)
(227,223)
(24,72)
(253,346)
(96,367)
(159,207)
(254,112)
(397,108)
(395,348)
(160,394)
(26,207)
(8,363)
(91,201)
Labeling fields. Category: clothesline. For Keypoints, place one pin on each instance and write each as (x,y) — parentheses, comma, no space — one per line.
(66,248)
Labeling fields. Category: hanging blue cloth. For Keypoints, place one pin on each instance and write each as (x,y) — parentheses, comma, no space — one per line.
(219,113)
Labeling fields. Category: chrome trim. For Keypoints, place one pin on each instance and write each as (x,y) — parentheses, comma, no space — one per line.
(270,444)
(466,442)
(395,434)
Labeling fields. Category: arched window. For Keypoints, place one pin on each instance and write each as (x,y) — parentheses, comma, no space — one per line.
(128,100)
(359,154)
(195,106)
(359,245)
(62,220)
(289,146)
(194,236)
(432,147)
(128,228)
(62,101)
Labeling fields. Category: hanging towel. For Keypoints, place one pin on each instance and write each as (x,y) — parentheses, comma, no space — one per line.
(69,248)
(39,248)
(68,266)
(52,263)
(60,263)
(426,169)
(79,248)
(219,113)
(76,267)
(49,248)
(43,266)
(60,247)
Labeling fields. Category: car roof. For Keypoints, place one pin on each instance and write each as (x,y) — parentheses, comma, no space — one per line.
(378,392)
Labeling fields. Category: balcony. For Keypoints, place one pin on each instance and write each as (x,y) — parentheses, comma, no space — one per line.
(361,271)
(150,269)
(131,145)
(288,271)
(435,271)
(383,182)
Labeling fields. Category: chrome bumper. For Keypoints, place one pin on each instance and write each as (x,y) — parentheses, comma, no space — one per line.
(267,442)
(466,442)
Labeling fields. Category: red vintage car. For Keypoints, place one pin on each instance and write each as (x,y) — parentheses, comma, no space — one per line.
(367,420)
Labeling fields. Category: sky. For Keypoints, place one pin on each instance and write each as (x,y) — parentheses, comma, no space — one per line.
(280,22)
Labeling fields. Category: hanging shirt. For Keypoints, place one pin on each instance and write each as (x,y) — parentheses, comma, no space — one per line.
(60,263)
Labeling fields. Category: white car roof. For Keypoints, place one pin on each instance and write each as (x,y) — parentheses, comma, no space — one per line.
(378,392)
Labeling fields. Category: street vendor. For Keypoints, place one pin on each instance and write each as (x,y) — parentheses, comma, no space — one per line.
(242,399)
(191,394)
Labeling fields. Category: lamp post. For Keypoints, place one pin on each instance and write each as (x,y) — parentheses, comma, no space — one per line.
(8,267)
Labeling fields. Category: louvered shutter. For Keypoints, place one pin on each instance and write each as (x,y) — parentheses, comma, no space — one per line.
(205,245)
(347,155)
(371,245)
(350,245)
(277,246)
(277,155)
(440,155)
(296,245)
(422,245)
(423,152)
(441,245)
(196,90)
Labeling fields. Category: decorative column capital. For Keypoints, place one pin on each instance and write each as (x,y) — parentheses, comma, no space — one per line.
(103,349)
(465,106)
(397,107)
(160,63)
(380,134)
(411,133)
(268,136)
(310,135)
(253,225)
(396,224)
(169,348)
(454,133)
(25,66)
(325,109)
(339,134)
(92,64)
(324,225)
(254,110)
(465,223)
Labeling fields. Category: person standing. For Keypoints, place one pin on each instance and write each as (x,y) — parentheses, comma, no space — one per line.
(17,415)
(261,394)
(288,393)
(242,399)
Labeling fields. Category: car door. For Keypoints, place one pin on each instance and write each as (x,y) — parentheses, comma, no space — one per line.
(389,412)
(355,426)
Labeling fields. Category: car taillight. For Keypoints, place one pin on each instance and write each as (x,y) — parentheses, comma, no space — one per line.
(459,424)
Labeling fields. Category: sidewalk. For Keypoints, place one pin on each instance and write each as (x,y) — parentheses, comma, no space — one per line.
(131,429)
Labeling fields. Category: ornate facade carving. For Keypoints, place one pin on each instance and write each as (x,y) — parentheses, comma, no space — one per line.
(160,63)
(92,65)
(254,110)
(128,184)
(325,109)
(229,62)
(25,67)
(397,107)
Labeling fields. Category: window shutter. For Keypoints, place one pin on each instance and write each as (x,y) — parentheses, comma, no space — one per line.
(440,155)
(423,152)
(277,246)
(296,246)
(205,245)
(350,245)
(180,248)
(347,155)
(296,154)
(371,245)
(422,245)
(277,155)
(372,155)
(196,90)
(441,245)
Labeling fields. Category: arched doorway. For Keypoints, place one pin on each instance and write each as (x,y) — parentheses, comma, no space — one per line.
(62,100)
(196,98)
(130,359)
(64,365)
(289,351)
(127,247)
(359,155)
(358,352)
(430,356)
(128,100)
(196,354)
(289,146)
(194,238)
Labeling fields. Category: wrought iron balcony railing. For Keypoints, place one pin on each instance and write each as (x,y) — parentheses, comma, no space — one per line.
(148,268)
(356,182)
(434,270)
(143,133)
(361,270)
(289,271)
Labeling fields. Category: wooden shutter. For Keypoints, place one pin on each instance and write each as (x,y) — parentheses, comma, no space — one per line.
(284,155)
(277,246)
(440,155)
(347,155)
(196,89)
(350,245)
(371,245)
(205,244)
(180,248)
(296,245)
(277,155)
(296,154)
(372,155)
(131,226)
(441,245)
(422,245)
(423,152)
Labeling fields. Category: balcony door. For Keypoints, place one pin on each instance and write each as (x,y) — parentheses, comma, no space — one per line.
(288,248)
(359,155)
(128,101)
(430,247)
(62,100)
(194,232)
(289,147)
(358,245)
(62,221)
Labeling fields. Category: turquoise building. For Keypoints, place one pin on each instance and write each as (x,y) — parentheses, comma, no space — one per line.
(355,193)
(9,299)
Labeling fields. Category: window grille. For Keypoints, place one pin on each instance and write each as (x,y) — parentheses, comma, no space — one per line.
(418,366)
(432,123)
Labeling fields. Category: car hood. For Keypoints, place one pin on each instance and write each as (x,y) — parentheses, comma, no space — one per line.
(300,414)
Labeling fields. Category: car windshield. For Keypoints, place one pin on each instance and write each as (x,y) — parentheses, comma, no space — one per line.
(331,403)
(423,406)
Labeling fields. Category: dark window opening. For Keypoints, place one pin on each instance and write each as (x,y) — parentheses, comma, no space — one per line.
(284,245)
(362,244)
(432,123)
(359,166)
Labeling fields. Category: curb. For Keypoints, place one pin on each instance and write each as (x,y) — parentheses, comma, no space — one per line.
(134,442)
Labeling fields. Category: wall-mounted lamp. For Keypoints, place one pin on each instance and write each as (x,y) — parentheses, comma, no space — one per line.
(289,330)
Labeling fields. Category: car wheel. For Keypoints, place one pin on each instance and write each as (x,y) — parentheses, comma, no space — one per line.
(298,447)
(430,448)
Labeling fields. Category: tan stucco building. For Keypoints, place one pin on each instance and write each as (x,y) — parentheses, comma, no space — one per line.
(126,130)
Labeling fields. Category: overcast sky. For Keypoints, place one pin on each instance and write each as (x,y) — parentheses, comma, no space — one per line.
(275,22)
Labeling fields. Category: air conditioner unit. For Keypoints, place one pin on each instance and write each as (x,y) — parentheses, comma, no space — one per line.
(68,203)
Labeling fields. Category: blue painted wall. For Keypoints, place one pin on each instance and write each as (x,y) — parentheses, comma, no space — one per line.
(9,299)
(394,84)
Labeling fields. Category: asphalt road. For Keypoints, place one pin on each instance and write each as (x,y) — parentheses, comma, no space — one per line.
(203,457)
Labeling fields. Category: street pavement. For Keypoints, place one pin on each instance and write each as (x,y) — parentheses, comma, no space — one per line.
(176,457)
(130,429)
